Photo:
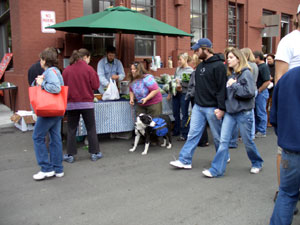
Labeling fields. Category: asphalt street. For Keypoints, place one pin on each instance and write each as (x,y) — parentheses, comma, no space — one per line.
(128,188)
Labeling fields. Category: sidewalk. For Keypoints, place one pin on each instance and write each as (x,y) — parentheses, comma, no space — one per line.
(5,114)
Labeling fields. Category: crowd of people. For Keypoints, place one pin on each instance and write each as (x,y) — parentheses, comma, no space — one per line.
(230,93)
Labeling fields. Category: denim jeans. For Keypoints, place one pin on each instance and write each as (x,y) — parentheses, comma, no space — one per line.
(180,104)
(261,117)
(198,122)
(234,138)
(51,125)
(244,121)
(287,197)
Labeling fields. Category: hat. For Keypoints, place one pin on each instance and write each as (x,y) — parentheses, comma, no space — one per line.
(202,43)
(298,10)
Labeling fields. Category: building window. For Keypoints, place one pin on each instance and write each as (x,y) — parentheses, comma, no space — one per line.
(145,45)
(267,42)
(97,43)
(5,29)
(233,25)
(198,19)
(285,25)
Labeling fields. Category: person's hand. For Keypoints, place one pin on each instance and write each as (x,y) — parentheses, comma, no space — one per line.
(115,77)
(230,82)
(39,79)
(169,97)
(219,113)
(131,102)
(144,100)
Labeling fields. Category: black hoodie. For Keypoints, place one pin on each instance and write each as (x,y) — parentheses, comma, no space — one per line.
(211,81)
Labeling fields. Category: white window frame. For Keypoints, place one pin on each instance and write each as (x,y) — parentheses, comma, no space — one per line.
(200,13)
(139,5)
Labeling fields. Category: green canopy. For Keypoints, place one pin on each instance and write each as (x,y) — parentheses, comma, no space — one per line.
(118,20)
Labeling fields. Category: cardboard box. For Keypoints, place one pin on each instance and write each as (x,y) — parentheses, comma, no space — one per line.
(24,120)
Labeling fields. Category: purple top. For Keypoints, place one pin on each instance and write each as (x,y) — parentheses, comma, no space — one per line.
(142,87)
(80,105)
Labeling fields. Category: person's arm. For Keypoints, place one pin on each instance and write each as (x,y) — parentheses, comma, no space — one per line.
(273,112)
(131,94)
(152,86)
(245,88)
(120,71)
(281,68)
(221,79)
(50,82)
(94,79)
(150,96)
(101,74)
(264,86)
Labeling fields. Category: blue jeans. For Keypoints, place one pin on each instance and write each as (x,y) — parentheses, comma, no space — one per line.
(287,197)
(235,135)
(180,104)
(198,122)
(261,117)
(51,125)
(244,121)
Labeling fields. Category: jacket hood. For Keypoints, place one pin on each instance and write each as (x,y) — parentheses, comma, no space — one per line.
(215,58)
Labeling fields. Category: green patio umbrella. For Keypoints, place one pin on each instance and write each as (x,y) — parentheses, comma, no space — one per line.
(118,20)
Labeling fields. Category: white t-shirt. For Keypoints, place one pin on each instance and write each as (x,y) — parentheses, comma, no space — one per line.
(288,49)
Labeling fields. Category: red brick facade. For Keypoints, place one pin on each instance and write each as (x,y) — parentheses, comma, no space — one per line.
(28,40)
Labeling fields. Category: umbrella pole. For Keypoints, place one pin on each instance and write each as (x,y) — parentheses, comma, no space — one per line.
(120,46)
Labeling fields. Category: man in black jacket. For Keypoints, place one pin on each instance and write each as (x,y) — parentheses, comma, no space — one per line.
(210,93)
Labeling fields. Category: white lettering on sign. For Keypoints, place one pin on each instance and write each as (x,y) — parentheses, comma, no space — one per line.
(47,19)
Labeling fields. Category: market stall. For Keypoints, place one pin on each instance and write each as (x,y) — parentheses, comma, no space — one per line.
(117,116)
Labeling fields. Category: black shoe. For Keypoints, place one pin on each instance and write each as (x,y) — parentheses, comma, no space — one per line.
(296,211)
(275,197)
(181,138)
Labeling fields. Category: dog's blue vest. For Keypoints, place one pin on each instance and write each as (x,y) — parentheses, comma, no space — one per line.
(160,127)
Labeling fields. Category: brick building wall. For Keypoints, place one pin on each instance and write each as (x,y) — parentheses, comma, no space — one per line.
(28,40)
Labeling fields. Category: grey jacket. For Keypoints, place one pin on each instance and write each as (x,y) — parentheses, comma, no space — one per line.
(254,71)
(240,95)
(180,71)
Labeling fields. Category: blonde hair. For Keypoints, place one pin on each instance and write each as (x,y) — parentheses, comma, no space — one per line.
(242,61)
(195,59)
(248,54)
(226,51)
(184,55)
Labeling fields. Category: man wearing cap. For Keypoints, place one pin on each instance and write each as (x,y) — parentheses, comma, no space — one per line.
(287,57)
(210,92)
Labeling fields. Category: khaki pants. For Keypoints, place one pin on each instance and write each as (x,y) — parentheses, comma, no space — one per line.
(152,110)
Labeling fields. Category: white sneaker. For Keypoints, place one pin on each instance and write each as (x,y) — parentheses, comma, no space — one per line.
(42,175)
(228,160)
(255,170)
(59,174)
(207,173)
(260,135)
(179,164)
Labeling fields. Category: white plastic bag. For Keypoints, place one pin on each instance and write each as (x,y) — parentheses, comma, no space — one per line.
(112,92)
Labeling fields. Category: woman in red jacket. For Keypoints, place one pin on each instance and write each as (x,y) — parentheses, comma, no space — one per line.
(82,80)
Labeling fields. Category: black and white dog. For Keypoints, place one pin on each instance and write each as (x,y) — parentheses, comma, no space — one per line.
(147,127)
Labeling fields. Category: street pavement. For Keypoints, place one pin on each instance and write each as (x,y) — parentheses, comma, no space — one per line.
(128,188)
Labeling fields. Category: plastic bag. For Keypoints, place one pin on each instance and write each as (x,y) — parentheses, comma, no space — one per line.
(112,92)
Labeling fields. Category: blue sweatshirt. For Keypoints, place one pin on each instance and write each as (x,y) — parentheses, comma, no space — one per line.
(285,110)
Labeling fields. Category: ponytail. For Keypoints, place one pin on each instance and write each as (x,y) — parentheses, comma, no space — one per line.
(74,57)
(79,54)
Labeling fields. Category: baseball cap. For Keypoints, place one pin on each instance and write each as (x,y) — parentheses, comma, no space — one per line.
(298,10)
(202,43)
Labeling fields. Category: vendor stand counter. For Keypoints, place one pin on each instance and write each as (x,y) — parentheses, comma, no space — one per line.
(116,116)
